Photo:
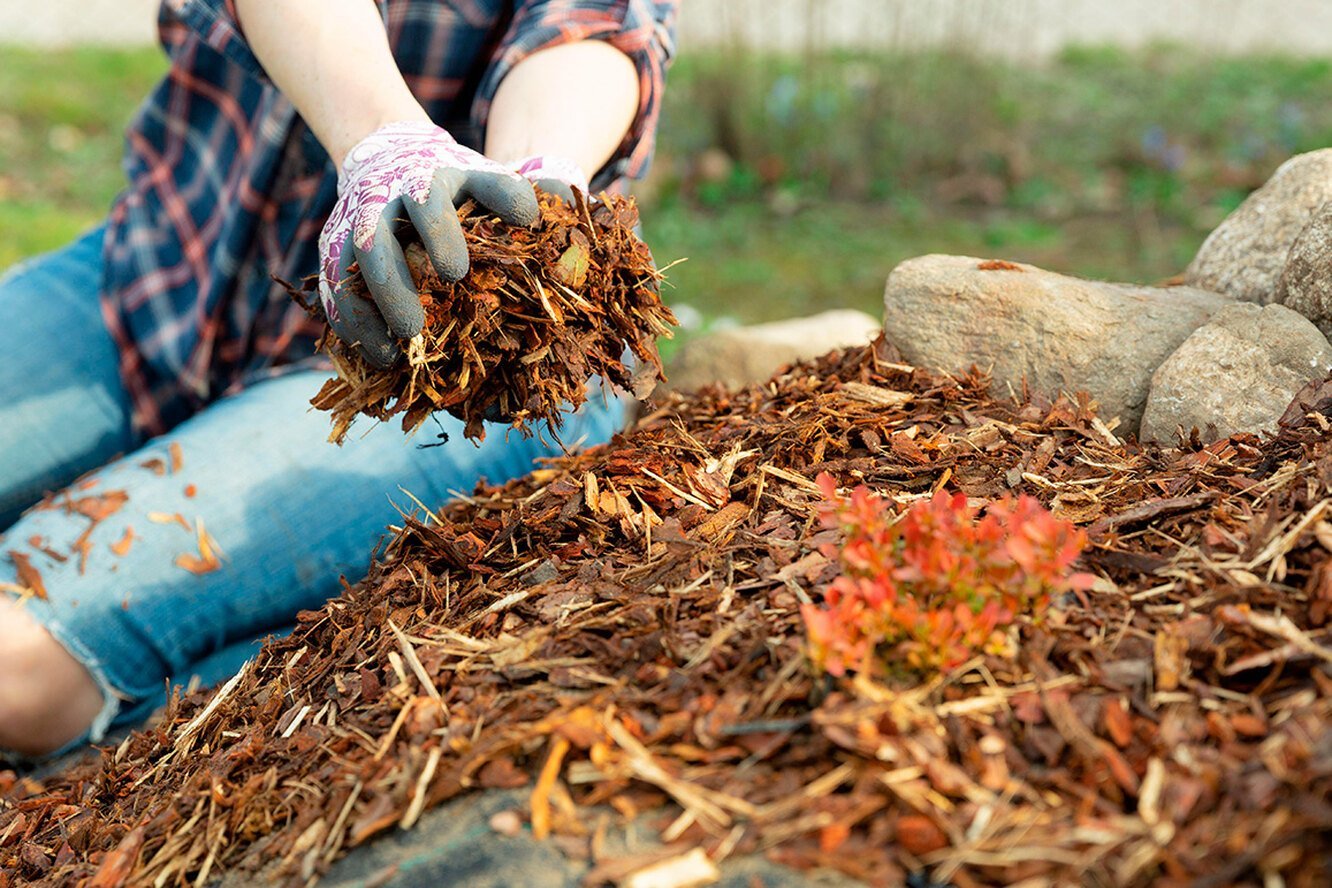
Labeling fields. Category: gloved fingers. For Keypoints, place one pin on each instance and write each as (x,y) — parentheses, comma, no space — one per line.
(436,221)
(357,320)
(557,187)
(507,195)
(384,269)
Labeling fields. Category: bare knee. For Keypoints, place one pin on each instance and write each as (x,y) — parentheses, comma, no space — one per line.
(47,698)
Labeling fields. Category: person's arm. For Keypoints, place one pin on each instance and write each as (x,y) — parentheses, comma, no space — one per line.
(305,47)
(574,101)
(555,114)
(570,77)
(332,60)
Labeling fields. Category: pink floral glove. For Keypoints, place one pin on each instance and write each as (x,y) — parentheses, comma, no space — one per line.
(554,174)
(414,174)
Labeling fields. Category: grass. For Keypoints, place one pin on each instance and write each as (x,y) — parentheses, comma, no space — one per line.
(62,117)
(796,184)
(1102,163)
(748,263)
(1165,125)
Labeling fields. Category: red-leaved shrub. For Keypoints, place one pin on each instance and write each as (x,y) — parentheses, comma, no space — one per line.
(937,585)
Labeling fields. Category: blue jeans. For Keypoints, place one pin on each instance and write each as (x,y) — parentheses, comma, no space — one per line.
(289,512)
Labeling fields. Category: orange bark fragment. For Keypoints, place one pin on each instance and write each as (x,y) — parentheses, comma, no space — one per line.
(1249,725)
(169,518)
(207,560)
(83,548)
(119,863)
(540,801)
(28,576)
(833,836)
(919,834)
(121,546)
(999,265)
(196,565)
(99,507)
(1117,723)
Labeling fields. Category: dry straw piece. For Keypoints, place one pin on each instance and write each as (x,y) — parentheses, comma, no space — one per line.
(541,312)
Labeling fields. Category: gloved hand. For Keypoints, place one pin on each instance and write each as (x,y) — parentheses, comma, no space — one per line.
(415,173)
(553,174)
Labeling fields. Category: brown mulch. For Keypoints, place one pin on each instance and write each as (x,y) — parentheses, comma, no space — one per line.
(622,627)
(541,311)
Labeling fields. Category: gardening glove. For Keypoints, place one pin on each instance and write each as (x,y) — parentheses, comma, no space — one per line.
(554,175)
(413,173)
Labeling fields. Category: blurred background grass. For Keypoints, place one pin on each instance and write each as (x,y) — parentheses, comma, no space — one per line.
(795,181)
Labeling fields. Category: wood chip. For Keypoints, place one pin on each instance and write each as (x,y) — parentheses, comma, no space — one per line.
(689,870)
(625,628)
(542,311)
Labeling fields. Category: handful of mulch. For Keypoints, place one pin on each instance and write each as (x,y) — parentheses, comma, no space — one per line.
(541,312)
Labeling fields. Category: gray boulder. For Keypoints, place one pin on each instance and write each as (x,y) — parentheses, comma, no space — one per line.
(743,355)
(1246,253)
(1058,333)
(1306,281)
(1236,373)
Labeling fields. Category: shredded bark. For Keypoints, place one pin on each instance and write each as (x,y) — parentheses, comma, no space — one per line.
(540,312)
(623,627)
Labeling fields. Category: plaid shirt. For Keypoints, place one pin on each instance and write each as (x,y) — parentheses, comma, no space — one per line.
(229,188)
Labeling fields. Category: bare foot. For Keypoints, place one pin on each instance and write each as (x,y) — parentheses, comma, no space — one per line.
(47,698)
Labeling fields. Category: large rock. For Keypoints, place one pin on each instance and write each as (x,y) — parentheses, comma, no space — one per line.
(1055,332)
(1306,281)
(1236,373)
(1244,256)
(742,355)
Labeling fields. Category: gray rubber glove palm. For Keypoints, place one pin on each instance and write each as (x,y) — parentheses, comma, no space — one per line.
(554,174)
(405,173)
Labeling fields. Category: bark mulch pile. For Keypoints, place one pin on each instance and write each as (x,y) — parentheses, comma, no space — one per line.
(541,311)
(622,627)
